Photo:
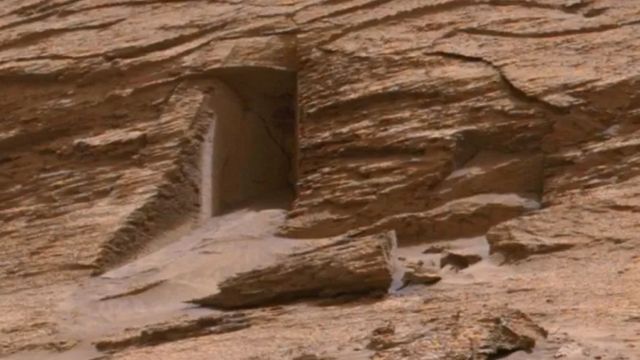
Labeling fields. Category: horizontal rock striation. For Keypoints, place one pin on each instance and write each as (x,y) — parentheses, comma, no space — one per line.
(343,267)
(436,119)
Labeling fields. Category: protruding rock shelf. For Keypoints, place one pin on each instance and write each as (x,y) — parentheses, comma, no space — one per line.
(346,266)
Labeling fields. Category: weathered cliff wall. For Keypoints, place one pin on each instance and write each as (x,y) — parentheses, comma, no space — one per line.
(439,119)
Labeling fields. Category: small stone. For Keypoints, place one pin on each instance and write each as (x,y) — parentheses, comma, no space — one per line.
(420,277)
(459,261)
(382,337)
(435,249)
(387,329)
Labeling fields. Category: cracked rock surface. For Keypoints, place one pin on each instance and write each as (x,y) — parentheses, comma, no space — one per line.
(505,130)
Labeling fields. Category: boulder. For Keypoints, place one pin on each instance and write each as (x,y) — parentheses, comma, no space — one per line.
(345,266)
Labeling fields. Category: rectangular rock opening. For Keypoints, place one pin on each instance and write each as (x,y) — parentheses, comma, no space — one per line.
(249,150)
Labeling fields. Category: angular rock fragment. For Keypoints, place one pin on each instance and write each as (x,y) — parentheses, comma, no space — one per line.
(490,334)
(415,273)
(346,266)
(435,249)
(420,277)
(515,245)
(459,261)
(468,217)
(510,331)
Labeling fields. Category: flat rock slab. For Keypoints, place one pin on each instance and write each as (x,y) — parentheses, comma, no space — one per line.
(346,266)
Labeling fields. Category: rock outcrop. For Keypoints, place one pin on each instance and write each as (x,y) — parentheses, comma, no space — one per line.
(466,217)
(126,124)
(343,267)
(162,333)
(587,217)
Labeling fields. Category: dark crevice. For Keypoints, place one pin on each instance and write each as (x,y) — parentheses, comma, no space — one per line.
(253,137)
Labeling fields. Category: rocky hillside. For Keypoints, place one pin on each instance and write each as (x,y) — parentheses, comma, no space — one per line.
(351,179)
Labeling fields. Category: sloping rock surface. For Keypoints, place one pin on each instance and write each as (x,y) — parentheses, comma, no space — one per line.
(434,118)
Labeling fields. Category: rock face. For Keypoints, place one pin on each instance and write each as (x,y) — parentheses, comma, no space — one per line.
(162,333)
(347,266)
(125,123)
(607,214)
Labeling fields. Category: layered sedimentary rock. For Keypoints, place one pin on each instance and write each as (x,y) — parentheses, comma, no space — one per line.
(466,217)
(163,333)
(344,267)
(437,119)
(588,217)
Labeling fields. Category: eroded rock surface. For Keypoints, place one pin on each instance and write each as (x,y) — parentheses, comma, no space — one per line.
(174,331)
(347,266)
(488,335)
(587,217)
(439,119)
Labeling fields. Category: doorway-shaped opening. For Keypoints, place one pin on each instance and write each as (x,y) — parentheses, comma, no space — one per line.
(248,154)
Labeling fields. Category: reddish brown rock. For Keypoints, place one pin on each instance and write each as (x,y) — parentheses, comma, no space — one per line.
(173,331)
(465,217)
(347,266)
(459,261)
(404,111)
(603,215)
(489,334)
(419,277)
